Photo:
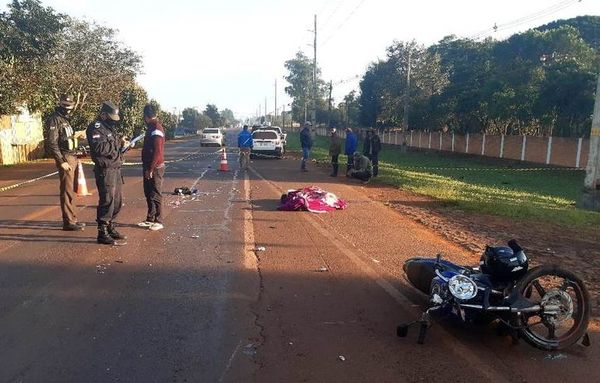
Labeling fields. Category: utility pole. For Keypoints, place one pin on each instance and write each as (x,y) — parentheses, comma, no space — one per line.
(591,190)
(283,117)
(266,114)
(329,111)
(275,119)
(314,90)
(407,94)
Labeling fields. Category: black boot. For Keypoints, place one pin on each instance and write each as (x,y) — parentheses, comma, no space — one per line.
(112,231)
(335,170)
(104,237)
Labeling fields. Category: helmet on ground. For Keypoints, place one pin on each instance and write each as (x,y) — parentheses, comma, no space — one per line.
(504,262)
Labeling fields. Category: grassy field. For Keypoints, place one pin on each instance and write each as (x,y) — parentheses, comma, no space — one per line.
(478,184)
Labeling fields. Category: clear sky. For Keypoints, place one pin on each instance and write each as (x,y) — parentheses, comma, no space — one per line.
(229,52)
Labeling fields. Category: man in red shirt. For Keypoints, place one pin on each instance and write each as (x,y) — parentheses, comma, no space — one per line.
(154,168)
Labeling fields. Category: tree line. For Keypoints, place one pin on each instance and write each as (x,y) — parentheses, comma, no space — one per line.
(193,120)
(540,82)
(44,54)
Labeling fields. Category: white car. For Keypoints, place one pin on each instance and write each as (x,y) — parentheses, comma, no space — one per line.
(267,143)
(212,136)
(282,135)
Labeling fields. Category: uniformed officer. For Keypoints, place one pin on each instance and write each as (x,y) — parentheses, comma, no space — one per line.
(106,150)
(61,143)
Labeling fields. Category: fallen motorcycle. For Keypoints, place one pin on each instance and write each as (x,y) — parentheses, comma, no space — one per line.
(547,306)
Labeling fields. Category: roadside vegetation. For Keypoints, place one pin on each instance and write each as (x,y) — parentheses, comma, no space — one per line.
(489,186)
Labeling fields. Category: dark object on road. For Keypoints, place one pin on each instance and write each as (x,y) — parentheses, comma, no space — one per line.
(547,306)
(184,191)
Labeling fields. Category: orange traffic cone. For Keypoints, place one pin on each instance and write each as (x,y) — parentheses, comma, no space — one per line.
(224,167)
(82,189)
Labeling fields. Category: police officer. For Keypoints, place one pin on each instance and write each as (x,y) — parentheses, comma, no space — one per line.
(61,142)
(106,150)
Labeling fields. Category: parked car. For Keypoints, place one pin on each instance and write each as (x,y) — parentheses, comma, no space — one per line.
(280,132)
(267,142)
(212,136)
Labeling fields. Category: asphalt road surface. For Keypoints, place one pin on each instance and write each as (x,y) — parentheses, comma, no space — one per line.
(196,302)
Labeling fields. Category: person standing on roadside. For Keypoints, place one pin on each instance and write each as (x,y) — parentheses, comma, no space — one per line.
(106,147)
(245,143)
(153,164)
(61,143)
(306,143)
(349,149)
(335,148)
(374,147)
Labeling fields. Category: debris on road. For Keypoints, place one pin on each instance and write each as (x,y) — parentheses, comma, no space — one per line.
(555,356)
(101,268)
(185,191)
(342,358)
(249,349)
(322,269)
(261,248)
(195,236)
(375,260)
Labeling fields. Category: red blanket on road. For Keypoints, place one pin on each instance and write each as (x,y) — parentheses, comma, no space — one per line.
(313,199)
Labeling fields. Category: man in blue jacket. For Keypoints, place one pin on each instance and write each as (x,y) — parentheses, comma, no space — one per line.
(351,145)
(306,142)
(245,144)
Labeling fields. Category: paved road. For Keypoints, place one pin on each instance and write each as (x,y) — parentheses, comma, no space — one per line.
(195,303)
(170,306)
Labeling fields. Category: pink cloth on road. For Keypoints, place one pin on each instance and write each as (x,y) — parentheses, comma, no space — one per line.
(313,199)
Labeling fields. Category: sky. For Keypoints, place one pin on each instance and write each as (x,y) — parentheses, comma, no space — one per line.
(231,52)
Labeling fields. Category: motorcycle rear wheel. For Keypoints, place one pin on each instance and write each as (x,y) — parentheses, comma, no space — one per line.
(553,285)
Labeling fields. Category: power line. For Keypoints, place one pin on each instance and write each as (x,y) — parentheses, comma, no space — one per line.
(343,22)
(525,19)
(337,8)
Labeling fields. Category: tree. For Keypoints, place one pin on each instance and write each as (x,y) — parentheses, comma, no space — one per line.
(133,100)
(228,117)
(190,117)
(30,34)
(300,79)
(212,112)
(92,65)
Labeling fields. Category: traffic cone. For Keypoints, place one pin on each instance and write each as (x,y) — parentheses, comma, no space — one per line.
(82,189)
(224,167)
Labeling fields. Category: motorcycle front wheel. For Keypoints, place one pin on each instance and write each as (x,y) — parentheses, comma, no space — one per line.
(554,286)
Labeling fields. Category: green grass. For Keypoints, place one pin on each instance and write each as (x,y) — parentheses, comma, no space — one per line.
(482,185)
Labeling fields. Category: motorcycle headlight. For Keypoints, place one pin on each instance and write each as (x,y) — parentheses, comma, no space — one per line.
(462,287)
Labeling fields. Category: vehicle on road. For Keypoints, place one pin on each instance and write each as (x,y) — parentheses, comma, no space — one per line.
(212,136)
(548,306)
(280,132)
(267,143)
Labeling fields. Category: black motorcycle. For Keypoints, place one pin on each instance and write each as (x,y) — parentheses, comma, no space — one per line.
(547,306)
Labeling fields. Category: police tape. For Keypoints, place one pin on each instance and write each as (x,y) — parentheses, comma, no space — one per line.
(382,165)
(5,188)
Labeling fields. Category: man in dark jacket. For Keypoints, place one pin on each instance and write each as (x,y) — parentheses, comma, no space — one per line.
(61,143)
(106,150)
(153,167)
(306,143)
(350,148)
(335,148)
(372,148)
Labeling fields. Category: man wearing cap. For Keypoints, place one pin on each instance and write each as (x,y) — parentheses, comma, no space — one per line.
(106,150)
(61,143)
(306,143)
(154,168)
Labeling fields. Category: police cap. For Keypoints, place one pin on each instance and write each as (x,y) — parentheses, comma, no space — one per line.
(111,110)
